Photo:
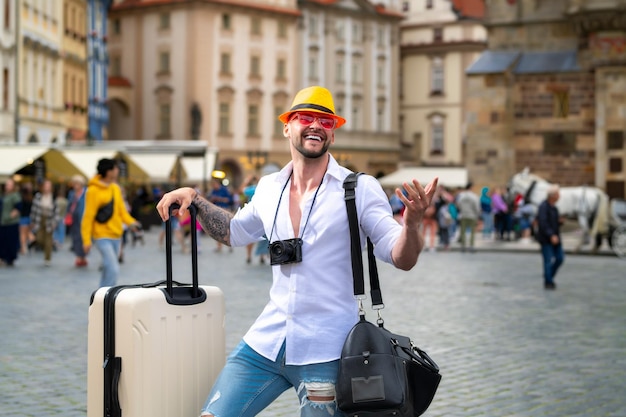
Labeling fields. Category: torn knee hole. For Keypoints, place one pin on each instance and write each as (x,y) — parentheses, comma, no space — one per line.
(320,392)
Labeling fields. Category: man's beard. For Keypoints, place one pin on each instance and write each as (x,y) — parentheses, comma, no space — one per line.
(311,154)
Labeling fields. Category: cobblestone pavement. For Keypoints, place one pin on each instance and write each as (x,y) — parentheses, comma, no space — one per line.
(506,347)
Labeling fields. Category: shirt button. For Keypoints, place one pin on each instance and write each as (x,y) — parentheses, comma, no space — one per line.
(288,316)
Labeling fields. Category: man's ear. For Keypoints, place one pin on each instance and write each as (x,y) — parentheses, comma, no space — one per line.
(286,130)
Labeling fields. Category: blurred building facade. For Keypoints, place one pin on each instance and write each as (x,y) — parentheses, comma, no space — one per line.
(97,69)
(74,69)
(207,71)
(40,111)
(8,54)
(243,63)
(548,94)
(352,48)
(439,40)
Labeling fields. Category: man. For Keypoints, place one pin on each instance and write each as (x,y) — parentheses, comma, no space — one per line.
(297,339)
(105,231)
(468,204)
(221,197)
(10,203)
(549,236)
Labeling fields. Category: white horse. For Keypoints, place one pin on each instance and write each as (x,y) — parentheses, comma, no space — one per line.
(589,205)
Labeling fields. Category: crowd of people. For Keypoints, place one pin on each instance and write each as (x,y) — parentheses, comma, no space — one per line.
(461,215)
(45,218)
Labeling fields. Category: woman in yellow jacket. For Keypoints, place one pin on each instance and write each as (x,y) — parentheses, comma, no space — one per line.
(103,219)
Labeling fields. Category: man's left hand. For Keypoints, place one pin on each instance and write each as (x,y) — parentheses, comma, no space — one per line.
(416,200)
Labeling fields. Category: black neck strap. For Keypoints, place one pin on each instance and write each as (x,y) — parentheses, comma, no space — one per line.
(349,186)
(310,210)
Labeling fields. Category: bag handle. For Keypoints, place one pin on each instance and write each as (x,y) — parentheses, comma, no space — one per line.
(349,185)
(194,251)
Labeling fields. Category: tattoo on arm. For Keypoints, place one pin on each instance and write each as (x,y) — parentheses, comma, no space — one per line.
(214,220)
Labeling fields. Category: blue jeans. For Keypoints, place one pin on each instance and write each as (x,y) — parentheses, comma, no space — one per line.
(553,257)
(487,224)
(109,249)
(250,382)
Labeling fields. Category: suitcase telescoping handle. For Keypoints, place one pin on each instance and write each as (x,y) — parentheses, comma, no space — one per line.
(182,295)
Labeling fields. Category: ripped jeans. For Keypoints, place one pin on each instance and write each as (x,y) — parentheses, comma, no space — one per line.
(250,382)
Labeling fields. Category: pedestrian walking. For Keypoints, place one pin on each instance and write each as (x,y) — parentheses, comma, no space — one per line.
(297,339)
(486,213)
(468,204)
(549,236)
(61,203)
(103,219)
(44,218)
(9,223)
(26,235)
(73,217)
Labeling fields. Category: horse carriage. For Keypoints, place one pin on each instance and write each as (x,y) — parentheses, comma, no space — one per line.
(617,227)
(590,206)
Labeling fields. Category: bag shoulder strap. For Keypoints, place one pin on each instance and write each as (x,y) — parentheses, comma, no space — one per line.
(349,186)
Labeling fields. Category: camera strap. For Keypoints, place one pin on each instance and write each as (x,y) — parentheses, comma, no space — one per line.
(281,198)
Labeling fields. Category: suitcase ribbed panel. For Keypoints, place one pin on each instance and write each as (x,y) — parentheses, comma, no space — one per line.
(171,354)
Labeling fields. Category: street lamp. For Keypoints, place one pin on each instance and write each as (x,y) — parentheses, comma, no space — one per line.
(257,159)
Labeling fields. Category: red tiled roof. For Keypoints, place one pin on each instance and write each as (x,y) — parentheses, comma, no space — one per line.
(135,4)
(470,8)
(119,82)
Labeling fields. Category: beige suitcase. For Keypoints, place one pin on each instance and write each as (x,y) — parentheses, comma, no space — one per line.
(154,351)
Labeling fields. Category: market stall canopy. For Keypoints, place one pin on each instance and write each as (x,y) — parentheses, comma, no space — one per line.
(448,176)
(13,158)
(86,160)
(197,169)
(157,166)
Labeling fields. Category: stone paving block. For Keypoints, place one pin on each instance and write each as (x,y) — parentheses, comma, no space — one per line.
(506,347)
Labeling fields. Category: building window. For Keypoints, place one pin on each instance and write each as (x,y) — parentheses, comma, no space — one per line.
(559,143)
(340,76)
(313,68)
(282,30)
(380,37)
(5,89)
(357,33)
(429,4)
(253,120)
(7,14)
(615,140)
(437,76)
(436,135)
(255,26)
(225,63)
(340,28)
(405,6)
(278,125)
(164,121)
(226,21)
(615,165)
(438,35)
(224,119)
(164,21)
(116,27)
(281,69)
(380,119)
(312,26)
(116,66)
(164,62)
(380,73)
(357,69)
(255,66)
(561,104)
(356,116)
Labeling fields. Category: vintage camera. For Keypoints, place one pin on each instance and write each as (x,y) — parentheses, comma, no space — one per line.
(287,251)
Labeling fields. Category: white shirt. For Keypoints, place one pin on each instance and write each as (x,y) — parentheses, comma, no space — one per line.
(312,306)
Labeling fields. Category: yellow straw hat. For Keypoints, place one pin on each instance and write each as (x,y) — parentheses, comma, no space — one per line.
(313,99)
